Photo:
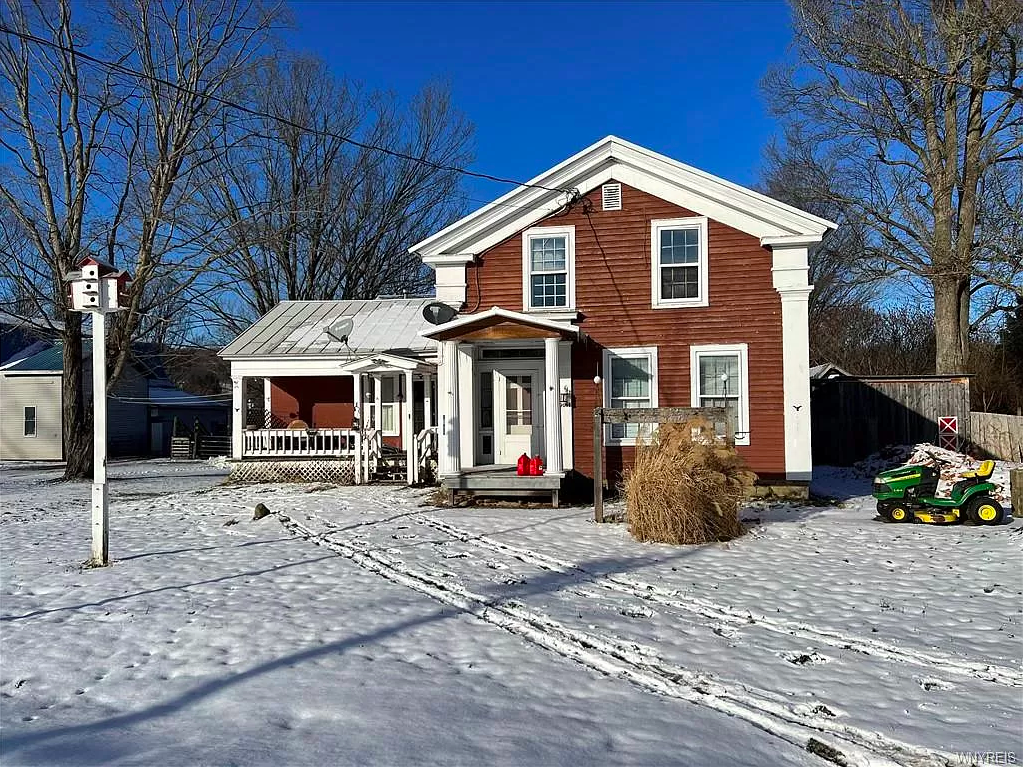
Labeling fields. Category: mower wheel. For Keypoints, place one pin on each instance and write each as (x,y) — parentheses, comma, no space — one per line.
(895,513)
(984,510)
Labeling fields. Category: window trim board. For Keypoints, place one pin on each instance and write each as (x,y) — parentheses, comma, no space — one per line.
(715,350)
(567,231)
(656,226)
(606,368)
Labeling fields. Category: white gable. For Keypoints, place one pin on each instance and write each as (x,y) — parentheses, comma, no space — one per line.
(614,159)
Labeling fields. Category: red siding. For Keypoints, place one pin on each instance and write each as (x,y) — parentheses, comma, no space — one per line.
(323,403)
(612,268)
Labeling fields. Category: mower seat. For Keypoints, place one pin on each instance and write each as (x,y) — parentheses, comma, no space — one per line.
(984,471)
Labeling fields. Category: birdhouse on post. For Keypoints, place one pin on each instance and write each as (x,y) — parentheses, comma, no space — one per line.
(98,288)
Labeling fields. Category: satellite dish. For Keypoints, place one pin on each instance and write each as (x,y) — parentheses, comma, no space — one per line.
(437,313)
(340,329)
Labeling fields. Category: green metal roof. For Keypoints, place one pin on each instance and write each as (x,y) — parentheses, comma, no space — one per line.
(48,360)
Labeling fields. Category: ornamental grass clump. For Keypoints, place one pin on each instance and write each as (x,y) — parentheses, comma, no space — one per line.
(685,486)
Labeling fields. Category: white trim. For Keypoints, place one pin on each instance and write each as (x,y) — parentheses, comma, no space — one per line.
(568,232)
(615,159)
(790,269)
(699,223)
(742,430)
(626,352)
(504,314)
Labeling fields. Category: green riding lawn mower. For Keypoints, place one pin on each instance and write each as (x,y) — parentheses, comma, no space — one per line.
(908,494)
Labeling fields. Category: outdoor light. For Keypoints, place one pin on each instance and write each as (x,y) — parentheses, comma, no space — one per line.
(596,380)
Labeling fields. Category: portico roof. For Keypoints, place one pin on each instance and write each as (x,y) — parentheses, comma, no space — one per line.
(497,324)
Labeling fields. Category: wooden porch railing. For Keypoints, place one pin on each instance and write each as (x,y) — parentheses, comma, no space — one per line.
(424,449)
(297,443)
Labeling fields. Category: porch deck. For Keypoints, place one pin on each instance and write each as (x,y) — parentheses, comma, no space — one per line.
(503,481)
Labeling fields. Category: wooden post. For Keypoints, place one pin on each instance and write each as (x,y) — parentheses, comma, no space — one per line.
(598,465)
(1016,491)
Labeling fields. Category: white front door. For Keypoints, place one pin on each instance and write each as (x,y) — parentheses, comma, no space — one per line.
(518,416)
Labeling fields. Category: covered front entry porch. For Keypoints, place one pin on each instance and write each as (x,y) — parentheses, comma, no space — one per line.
(505,389)
(357,420)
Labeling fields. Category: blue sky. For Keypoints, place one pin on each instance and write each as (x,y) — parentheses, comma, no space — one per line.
(542,81)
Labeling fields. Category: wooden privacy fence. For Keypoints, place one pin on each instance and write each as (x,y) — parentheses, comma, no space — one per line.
(999,436)
(602,416)
(854,417)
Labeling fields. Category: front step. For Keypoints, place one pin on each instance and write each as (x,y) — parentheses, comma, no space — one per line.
(391,469)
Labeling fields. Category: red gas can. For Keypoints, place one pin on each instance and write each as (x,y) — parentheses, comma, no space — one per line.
(522,466)
(536,466)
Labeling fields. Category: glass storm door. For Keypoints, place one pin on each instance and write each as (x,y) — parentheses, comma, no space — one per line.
(516,415)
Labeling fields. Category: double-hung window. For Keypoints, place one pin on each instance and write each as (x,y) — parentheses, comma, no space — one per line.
(630,381)
(720,378)
(679,262)
(548,268)
(30,422)
(389,405)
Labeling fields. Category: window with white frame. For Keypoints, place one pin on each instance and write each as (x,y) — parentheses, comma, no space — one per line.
(548,268)
(720,378)
(679,262)
(30,422)
(630,381)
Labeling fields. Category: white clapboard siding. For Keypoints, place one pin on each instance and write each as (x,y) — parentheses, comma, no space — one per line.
(43,393)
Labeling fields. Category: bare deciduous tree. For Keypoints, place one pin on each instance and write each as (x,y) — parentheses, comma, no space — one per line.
(296,212)
(102,160)
(917,105)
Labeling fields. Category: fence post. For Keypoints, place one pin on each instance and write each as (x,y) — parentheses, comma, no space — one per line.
(1016,491)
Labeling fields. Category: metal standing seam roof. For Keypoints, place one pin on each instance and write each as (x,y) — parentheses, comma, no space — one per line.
(49,360)
(298,328)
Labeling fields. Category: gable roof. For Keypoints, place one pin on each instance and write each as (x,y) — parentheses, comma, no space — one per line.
(297,328)
(49,360)
(613,158)
(494,316)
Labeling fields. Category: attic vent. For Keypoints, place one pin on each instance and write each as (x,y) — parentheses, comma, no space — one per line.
(612,196)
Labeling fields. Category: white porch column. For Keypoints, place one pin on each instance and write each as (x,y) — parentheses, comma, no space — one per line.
(267,399)
(357,420)
(552,407)
(408,432)
(237,415)
(790,270)
(449,458)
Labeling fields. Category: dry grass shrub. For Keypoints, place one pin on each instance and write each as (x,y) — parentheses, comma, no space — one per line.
(685,486)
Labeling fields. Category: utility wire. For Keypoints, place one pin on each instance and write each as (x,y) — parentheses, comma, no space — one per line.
(113,66)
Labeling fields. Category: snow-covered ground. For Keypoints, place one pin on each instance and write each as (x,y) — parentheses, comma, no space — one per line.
(361,626)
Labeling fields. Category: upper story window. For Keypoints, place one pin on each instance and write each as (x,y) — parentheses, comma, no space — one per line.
(679,262)
(630,381)
(548,268)
(720,378)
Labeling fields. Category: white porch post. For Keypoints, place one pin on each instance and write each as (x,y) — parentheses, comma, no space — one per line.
(408,433)
(267,401)
(357,419)
(552,407)
(237,415)
(450,457)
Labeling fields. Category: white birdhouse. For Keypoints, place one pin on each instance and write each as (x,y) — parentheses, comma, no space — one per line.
(97,287)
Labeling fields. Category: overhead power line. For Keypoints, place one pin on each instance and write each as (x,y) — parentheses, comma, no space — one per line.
(114,66)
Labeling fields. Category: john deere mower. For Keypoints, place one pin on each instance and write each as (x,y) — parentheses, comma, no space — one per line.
(908,494)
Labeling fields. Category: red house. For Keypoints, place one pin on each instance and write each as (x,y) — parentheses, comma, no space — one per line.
(620,278)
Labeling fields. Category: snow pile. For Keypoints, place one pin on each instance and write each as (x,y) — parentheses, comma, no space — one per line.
(950,463)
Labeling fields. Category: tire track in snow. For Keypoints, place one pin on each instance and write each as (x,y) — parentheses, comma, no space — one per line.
(609,655)
(933,662)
